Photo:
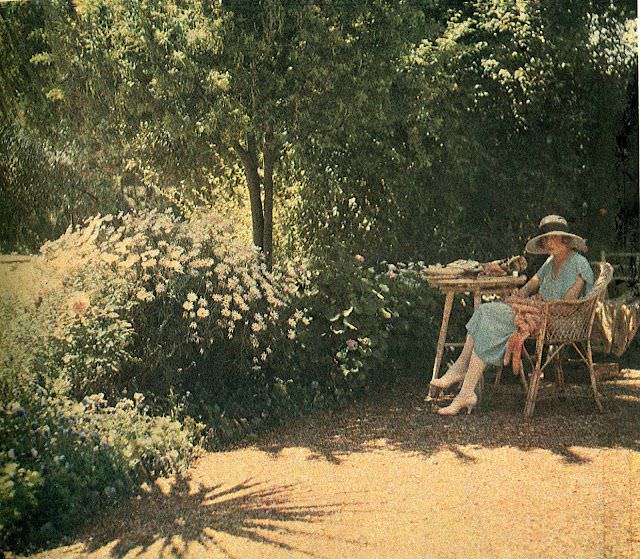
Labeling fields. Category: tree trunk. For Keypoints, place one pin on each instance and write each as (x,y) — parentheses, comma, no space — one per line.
(249,160)
(269,155)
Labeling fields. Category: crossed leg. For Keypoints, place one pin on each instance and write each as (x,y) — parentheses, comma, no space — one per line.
(458,369)
(466,398)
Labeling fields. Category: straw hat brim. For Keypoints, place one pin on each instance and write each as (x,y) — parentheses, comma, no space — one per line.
(534,246)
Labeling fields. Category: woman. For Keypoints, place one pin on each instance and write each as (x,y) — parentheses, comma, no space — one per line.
(565,275)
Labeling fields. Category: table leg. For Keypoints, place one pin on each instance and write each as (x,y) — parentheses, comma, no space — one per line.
(448,304)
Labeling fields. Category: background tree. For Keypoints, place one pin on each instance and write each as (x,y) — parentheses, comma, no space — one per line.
(177,88)
(499,118)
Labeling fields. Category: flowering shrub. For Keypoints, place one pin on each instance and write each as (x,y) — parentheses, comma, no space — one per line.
(182,314)
(376,320)
(155,301)
(62,460)
(179,309)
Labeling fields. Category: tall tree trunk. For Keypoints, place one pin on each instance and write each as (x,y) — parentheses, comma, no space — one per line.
(249,158)
(269,155)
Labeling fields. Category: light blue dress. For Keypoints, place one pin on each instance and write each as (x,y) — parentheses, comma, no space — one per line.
(492,323)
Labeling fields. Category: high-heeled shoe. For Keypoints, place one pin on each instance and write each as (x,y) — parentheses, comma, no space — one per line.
(460,403)
(450,378)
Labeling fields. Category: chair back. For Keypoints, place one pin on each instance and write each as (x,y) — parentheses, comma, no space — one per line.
(571,321)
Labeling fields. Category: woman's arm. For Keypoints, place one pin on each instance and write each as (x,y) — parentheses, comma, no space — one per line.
(575,290)
(528,288)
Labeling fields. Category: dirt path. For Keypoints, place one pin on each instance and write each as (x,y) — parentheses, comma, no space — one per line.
(384,478)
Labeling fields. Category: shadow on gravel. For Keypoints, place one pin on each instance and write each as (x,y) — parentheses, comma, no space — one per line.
(184,515)
(399,418)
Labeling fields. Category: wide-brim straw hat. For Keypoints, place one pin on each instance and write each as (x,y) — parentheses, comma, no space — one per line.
(554,225)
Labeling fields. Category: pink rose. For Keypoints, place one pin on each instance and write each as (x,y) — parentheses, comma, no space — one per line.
(79,306)
(352,344)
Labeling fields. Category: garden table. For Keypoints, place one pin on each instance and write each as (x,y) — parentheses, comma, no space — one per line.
(478,286)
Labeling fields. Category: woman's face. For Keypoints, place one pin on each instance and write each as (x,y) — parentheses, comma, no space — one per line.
(555,244)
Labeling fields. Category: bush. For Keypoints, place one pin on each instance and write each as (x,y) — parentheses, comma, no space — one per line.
(378,318)
(63,457)
(182,314)
(61,461)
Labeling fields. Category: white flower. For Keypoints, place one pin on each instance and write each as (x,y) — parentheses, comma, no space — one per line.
(202,302)
(291,334)
(144,295)
(161,288)
(109,258)
(149,263)
(187,306)
(202,312)
(193,325)
(191,296)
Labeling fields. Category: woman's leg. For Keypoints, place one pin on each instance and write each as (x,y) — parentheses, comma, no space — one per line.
(458,369)
(466,398)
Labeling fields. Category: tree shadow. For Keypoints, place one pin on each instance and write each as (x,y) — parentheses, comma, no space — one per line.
(398,418)
(177,514)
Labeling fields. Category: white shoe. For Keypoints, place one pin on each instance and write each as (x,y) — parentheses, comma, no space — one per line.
(450,378)
(460,403)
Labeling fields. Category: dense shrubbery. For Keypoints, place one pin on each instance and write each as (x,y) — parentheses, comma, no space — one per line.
(181,314)
(61,458)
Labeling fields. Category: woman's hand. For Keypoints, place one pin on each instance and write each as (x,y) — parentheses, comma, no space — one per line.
(528,288)
(575,290)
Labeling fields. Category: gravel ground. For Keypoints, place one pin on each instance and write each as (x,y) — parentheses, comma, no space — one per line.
(386,478)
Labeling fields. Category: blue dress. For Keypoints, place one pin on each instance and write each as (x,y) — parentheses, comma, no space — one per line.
(492,324)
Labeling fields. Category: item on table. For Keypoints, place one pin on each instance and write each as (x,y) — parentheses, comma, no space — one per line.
(517,264)
(438,270)
(454,269)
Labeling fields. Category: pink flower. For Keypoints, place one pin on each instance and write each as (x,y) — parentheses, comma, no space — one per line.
(391,274)
(352,344)
(359,258)
(80,303)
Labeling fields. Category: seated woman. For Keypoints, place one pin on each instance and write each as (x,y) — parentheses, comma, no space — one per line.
(565,275)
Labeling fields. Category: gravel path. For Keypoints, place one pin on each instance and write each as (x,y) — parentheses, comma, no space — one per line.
(385,478)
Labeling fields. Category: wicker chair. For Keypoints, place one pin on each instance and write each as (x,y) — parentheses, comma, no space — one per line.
(567,323)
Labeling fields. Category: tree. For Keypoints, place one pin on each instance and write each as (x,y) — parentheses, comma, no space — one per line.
(168,84)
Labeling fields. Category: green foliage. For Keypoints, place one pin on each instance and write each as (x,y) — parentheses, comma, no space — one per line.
(374,321)
(62,460)
(41,192)
(499,118)
(402,131)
